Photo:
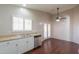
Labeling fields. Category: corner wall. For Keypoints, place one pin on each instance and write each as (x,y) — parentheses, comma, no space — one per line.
(73,26)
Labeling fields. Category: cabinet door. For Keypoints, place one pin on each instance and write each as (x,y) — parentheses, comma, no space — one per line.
(30,43)
(3,48)
(22,45)
(12,47)
(17,46)
(9,47)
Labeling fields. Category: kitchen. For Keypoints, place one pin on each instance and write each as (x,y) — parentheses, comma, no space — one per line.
(39,28)
(19,26)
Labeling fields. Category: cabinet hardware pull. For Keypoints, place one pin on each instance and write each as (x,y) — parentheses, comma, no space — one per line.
(7,42)
(26,41)
(16,44)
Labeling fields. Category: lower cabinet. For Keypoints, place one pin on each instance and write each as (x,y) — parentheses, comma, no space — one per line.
(22,45)
(31,44)
(4,48)
(12,47)
(17,46)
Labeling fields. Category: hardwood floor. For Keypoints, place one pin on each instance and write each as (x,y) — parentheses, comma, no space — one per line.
(55,46)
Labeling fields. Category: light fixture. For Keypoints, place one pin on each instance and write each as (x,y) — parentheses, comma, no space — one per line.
(57,20)
(58,17)
(24,5)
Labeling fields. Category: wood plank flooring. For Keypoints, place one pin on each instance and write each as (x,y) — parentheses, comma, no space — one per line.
(55,46)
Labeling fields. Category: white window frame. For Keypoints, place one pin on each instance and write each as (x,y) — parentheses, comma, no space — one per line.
(19,30)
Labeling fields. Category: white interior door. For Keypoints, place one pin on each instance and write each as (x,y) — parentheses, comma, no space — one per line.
(47,31)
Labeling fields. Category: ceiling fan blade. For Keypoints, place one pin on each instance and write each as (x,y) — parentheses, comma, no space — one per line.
(63,17)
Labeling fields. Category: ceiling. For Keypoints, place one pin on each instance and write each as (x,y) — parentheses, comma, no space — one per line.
(50,8)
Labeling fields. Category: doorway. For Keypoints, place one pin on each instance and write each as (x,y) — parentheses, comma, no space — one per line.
(47,31)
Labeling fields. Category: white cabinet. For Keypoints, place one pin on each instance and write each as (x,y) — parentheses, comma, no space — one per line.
(12,47)
(17,46)
(3,47)
(9,47)
(22,45)
(30,43)
(25,44)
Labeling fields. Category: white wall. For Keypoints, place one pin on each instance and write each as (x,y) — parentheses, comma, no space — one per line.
(76,24)
(73,25)
(61,30)
(7,11)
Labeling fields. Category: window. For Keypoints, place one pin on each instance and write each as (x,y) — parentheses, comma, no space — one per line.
(28,25)
(17,24)
(20,24)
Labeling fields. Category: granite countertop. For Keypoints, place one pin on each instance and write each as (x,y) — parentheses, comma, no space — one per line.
(6,38)
(16,36)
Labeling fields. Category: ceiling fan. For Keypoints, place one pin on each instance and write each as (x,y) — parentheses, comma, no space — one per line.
(58,17)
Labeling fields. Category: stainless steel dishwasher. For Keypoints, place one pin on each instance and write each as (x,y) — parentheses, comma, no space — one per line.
(37,41)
